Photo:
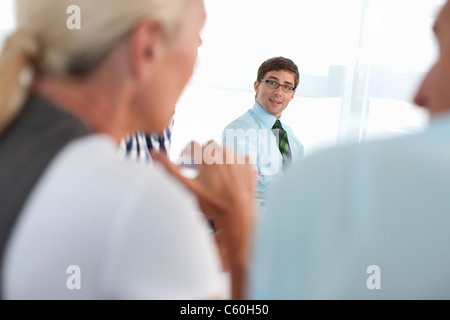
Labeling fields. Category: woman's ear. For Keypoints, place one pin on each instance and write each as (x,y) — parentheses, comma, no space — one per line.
(145,41)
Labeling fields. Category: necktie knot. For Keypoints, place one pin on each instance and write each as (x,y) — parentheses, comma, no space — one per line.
(277,125)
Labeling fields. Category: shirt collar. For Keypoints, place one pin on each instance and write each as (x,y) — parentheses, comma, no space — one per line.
(266,118)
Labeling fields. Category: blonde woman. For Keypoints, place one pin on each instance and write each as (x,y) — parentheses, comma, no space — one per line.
(77,222)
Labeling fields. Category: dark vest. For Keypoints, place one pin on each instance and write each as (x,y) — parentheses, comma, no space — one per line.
(26,149)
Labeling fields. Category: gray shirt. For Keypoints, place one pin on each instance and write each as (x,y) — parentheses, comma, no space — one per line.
(27,147)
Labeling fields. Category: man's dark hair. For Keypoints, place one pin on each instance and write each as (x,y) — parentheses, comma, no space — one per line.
(277,64)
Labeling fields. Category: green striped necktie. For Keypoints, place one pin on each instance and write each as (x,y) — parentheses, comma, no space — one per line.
(283,142)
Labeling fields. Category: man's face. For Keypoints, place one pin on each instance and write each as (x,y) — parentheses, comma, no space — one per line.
(434,93)
(274,101)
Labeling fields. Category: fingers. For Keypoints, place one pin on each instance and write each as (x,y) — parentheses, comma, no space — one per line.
(194,185)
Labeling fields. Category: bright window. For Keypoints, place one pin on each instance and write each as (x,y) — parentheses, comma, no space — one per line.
(360,63)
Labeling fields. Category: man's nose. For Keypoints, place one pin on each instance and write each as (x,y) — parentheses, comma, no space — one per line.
(279,91)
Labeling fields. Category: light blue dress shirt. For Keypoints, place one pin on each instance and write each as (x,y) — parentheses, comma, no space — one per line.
(368,221)
(251,135)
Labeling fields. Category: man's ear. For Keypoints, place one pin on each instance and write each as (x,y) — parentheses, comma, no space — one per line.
(256,85)
(145,40)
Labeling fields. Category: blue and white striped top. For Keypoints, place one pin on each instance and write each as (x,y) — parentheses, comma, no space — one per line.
(139,144)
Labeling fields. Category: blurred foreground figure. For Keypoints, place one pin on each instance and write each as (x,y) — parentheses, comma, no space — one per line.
(370,221)
(77,221)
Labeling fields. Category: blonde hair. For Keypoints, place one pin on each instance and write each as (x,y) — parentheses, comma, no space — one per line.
(43,42)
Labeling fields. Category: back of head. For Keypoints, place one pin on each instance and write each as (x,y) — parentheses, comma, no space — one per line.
(44,42)
(276,64)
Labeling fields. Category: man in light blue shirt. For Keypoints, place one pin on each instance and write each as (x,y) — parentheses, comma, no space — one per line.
(368,221)
(271,149)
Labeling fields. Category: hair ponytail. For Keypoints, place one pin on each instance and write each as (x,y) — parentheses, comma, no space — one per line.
(16,59)
(43,42)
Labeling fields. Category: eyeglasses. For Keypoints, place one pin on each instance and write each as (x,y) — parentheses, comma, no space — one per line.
(274,85)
